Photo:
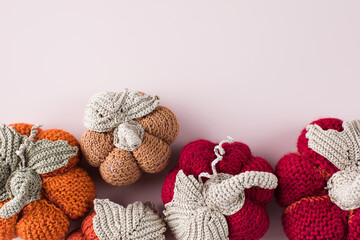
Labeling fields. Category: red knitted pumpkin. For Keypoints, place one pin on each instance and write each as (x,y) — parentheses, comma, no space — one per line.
(249,222)
(319,184)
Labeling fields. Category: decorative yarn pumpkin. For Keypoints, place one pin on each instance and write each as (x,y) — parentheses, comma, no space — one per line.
(138,221)
(320,184)
(41,188)
(218,192)
(128,133)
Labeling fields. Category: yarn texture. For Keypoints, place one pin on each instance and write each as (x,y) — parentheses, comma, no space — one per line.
(138,221)
(227,205)
(40,186)
(319,185)
(128,134)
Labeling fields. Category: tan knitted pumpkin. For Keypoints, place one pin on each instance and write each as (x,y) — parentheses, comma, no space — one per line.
(128,133)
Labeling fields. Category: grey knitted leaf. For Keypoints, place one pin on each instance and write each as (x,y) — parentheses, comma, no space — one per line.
(106,110)
(45,156)
(341,148)
(188,212)
(137,221)
(4,175)
(10,141)
(136,105)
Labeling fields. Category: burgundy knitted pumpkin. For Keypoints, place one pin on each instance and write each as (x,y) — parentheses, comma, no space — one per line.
(319,185)
(227,201)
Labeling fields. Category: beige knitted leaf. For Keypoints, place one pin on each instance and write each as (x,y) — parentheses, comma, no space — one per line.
(10,141)
(137,221)
(4,175)
(45,156)
(341,148)
(189,217)
(136,105)
(106,110)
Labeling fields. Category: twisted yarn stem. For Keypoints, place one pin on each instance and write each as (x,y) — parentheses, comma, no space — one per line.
(219,152)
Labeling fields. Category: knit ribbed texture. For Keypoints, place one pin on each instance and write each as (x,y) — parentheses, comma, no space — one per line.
(37,161)
(138,221)
(319,186)
(230,204)
(128,134)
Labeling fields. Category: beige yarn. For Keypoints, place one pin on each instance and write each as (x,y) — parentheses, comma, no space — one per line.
(198,210)
(138,221)
(343,150)
(108,111)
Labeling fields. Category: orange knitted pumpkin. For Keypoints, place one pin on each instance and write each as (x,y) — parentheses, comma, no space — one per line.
(128,134)
(45,189)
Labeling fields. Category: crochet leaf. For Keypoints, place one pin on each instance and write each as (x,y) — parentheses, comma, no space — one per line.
(137,221)
(341,148)
(45,156)
(4,175)
(10,141)
(189,217)
(136,105)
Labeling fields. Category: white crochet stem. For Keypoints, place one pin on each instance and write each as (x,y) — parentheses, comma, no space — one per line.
(129,135)
(228,196)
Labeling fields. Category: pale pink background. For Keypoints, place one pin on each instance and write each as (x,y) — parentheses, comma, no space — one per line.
(258,71)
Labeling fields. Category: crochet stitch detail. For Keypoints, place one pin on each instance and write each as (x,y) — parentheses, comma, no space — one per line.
(21,163)
(137,221)
(343,150)
(198,210)
(108,111)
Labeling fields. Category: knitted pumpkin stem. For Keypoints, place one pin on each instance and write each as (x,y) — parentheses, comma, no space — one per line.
(226,193)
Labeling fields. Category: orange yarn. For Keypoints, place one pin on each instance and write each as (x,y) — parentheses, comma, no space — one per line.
(67,193)
(7,226)
(119,167)
(87,229)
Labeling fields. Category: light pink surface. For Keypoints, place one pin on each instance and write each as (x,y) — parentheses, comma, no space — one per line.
(258,71)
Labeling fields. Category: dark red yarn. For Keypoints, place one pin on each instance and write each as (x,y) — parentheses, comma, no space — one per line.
(252,221)
(309,213)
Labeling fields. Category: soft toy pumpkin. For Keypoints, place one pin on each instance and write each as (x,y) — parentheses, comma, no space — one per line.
(320,184)
(41,188)
(128,133)
(138,221)
(218,192)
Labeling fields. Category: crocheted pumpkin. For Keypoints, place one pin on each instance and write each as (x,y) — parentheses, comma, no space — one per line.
(223,198)
(40,186)
(128,134)
(138,221)
(320,185)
